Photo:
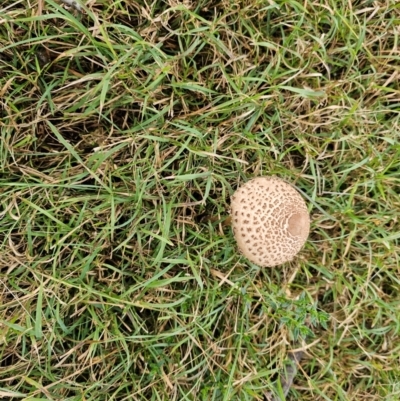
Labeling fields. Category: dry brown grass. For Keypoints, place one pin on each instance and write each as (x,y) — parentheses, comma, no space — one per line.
(124,131)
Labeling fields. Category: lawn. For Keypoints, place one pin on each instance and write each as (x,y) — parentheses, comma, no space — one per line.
(126,126)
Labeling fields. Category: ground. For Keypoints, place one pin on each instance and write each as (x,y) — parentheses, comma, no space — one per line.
(125,128)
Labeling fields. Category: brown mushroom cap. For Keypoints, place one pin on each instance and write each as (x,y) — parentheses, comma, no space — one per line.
(270,221)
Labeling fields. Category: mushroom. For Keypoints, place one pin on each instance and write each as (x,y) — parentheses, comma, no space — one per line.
(270,221)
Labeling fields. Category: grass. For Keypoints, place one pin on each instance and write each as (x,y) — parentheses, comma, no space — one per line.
(125,128)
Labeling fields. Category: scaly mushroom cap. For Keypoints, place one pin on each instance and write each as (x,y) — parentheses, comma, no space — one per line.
(270,221)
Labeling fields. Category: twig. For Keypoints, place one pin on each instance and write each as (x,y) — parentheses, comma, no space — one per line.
(73,4)
(287,377)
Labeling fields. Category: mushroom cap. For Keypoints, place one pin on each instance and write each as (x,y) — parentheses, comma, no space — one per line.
(270,221)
